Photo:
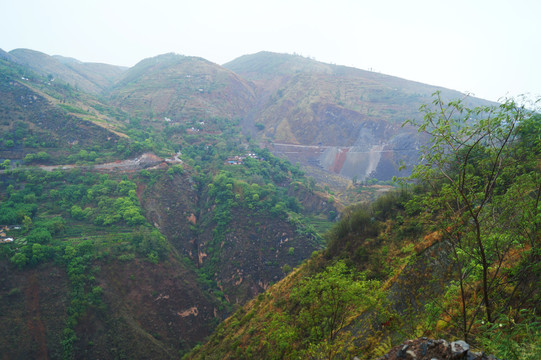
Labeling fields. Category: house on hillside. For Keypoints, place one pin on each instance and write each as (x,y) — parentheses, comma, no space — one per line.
(4,239)
(253,156)
(235,160)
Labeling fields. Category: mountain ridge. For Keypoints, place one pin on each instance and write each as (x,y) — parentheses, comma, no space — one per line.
(332,118)
(90,77)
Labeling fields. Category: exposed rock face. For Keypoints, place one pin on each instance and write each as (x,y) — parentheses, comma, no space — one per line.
(371,149)
(429,349)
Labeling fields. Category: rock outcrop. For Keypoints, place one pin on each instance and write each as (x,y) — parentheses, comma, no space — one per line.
(429,349)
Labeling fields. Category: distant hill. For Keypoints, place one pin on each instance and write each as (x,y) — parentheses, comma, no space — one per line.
(6,56)
(181,87)
(89,77)
(269,65)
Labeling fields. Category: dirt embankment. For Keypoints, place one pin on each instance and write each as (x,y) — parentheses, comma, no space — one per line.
(34,322)
(145,161)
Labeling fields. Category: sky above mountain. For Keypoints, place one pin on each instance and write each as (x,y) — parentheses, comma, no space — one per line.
(488,48)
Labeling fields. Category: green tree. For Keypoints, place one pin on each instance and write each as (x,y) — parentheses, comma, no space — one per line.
(77,213)
(27,222)
(6,164)
(39,236)
(20,260)
(42,156)
(39,253)
(328,300)
(483,193)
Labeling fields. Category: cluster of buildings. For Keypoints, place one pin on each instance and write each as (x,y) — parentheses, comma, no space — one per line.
(239,159)
(4,238)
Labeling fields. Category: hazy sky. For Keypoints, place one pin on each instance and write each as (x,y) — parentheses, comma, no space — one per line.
(490,48)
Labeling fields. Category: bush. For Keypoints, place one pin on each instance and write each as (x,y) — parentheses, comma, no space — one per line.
(126,257)
(39,236)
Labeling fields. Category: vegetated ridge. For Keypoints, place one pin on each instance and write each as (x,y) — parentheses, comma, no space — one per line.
(89,77)
(340,119)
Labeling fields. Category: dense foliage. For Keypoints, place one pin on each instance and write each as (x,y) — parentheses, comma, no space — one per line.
(56,210)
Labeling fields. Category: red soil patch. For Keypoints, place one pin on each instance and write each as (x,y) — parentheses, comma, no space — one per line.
(339,160)
(34,323)
(192,219)
(139,191)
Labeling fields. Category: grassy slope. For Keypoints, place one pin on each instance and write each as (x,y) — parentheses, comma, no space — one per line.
(180,88)
(40,116)
(89,77)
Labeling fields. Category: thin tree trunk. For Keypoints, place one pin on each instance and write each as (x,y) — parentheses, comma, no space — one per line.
(484,263)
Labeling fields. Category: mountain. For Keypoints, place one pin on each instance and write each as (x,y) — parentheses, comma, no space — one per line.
(331,119)
(344,120)
(6,56)
(181,88)
(141,207)
(89,77)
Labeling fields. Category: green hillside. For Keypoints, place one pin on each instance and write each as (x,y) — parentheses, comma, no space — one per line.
(52,119)
(453,256)
(148,260)
(150,236)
